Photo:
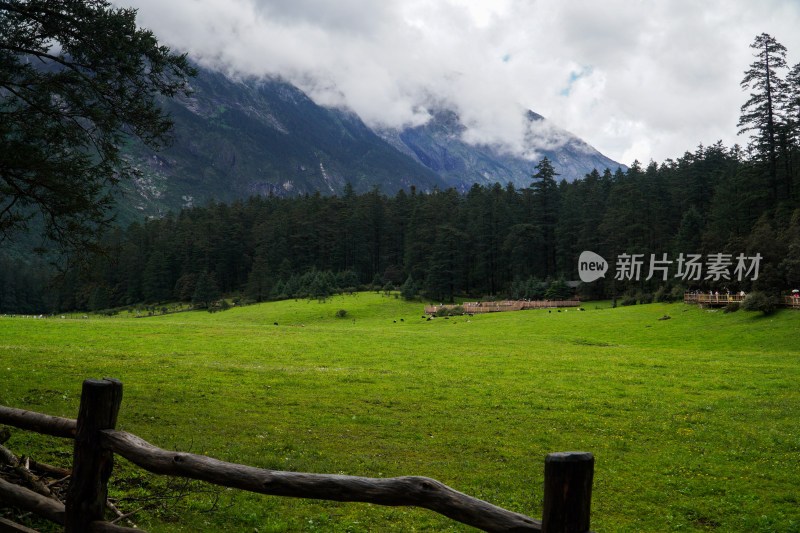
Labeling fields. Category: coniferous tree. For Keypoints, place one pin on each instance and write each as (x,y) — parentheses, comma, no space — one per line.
(409,289)
(99,299)
(792,117)
(259,282)
(206,291)
(546,203)
(445,271)
(761,113)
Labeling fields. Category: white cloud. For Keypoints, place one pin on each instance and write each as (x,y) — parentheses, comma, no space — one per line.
(638,80)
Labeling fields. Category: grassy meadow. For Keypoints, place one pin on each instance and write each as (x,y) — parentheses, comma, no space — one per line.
(694,421)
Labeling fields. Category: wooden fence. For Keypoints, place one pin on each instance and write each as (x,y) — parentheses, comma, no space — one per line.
(505,305)
(567,477)
(718,300)
(792,302)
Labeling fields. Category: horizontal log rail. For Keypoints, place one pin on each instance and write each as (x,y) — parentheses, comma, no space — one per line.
(38,422)
(568,477)
(398,491)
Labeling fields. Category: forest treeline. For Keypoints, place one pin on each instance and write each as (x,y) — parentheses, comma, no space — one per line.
(491,241)
(727,209)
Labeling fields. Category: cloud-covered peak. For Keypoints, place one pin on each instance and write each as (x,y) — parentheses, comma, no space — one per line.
(639,80)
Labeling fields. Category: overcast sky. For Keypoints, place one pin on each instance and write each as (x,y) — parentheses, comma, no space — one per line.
(637,79)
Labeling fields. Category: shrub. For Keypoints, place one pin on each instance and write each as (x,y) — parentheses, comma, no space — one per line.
(451,311)
(664,295)
(732,307)
(677,293)
(760,301)
(341,313)
(559,290)
(645,297)
(629,298)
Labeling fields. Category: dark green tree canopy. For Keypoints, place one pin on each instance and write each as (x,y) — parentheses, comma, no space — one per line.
(76,78)
(760,114)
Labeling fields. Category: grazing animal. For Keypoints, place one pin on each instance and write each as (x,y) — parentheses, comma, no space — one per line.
(394,321)
(275,323)
(401,320)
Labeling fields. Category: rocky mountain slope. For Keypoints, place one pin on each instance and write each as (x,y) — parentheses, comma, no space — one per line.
(439,145)
(237,138)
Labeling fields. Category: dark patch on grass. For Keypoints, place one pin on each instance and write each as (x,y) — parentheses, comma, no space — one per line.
(586,342)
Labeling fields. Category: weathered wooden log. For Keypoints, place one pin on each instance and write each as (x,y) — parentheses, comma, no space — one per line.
(32,481)
(30,501)
(399,491)
(7,526)
(92,463)
(567,492)
(38,422)
(10,458)
(49,470)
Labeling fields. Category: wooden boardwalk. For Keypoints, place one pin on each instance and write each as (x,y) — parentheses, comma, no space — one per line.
(505,305)
(721,300)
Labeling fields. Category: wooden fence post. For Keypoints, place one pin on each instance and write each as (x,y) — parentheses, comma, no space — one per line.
(91,464)
(567,492)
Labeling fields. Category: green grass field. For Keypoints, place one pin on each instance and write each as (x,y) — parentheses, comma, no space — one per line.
(694,422)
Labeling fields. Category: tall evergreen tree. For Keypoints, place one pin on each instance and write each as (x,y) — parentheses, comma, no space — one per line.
(445,273)
(546,202)
(793,129)
(761,113)
(206,291)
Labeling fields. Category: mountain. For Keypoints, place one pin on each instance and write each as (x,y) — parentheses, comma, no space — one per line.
(237,138)
(234,139)
(439,145)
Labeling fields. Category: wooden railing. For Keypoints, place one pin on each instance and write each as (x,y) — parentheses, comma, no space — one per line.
(567,477)
(704,299)
(711,299)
